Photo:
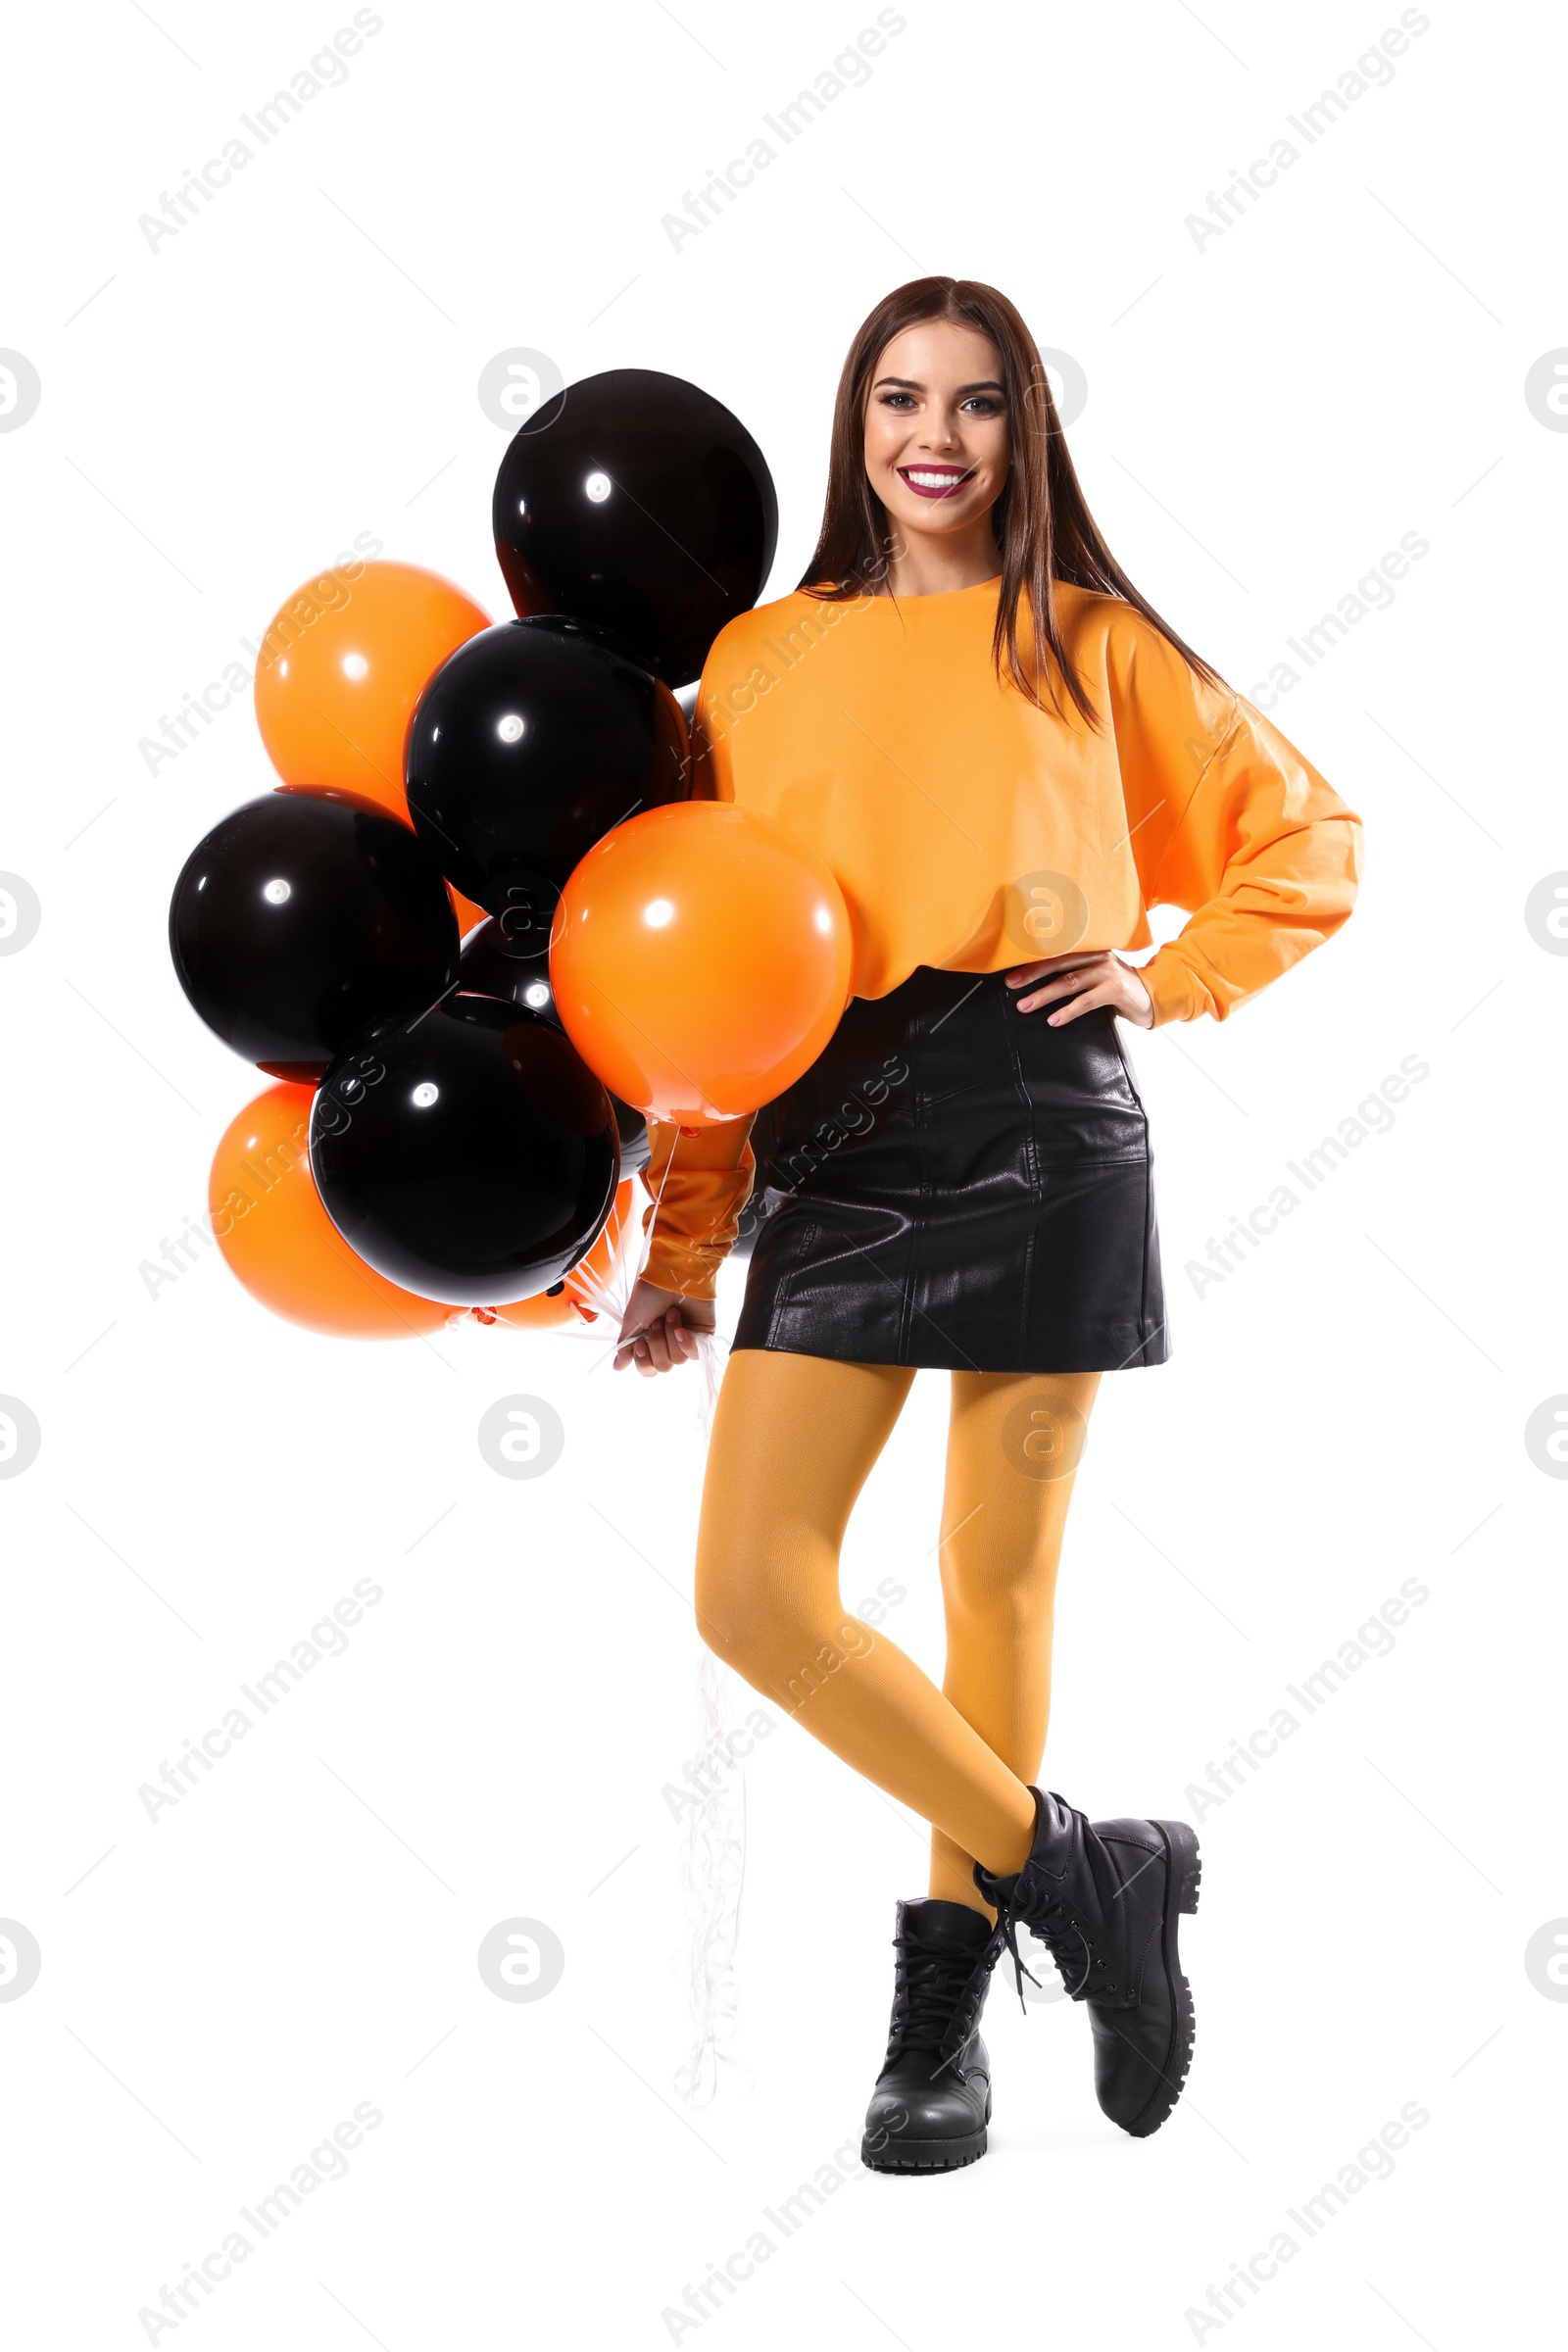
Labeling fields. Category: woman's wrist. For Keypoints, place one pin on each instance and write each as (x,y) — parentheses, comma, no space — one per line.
(685,1269)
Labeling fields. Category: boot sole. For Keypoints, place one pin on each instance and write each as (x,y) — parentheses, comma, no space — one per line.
(1185,1870)
(925,2155)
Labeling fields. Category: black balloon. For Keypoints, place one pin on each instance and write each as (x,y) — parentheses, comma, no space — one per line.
(633,1131)
(467,1153)
(527,745)
(303,917)
(494,964)
(637,500)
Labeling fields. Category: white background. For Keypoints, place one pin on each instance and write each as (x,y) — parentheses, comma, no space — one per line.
(1266,417)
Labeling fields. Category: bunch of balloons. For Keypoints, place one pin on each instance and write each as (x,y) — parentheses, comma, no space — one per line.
(481,931)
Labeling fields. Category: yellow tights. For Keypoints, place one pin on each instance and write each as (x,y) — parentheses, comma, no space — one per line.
(794,1440)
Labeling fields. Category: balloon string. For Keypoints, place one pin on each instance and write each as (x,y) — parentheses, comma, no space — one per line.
(713,1859)
(612,1297)
(713,1877)
(615,1301)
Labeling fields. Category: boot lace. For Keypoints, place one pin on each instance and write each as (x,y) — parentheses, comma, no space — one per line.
(1083,1971)
(929,1996)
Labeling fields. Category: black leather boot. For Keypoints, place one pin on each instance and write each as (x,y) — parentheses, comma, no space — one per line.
(932,2100)
(1103,1897)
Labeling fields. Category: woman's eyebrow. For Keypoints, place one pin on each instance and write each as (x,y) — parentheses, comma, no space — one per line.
(910,383)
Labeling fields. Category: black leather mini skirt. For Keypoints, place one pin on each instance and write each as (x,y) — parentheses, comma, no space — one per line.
(955,1184)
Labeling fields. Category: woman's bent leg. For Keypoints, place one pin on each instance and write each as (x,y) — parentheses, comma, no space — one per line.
(1012,1445)
(794,1440)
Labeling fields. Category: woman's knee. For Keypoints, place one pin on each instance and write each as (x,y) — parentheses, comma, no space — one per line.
(732,1629)
(774,1635)
(1007,1601)
(741,1607)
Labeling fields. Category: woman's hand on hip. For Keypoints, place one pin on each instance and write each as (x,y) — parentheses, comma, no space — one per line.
(659,1328)
(1081,981)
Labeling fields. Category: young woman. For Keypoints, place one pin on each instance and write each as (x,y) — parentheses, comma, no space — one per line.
(1006,757)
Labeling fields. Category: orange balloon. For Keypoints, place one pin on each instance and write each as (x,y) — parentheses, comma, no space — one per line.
(345,659)
(270,1224)
(469,916)
(701,958)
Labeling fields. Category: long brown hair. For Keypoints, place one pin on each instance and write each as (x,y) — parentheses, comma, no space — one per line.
(1041,521)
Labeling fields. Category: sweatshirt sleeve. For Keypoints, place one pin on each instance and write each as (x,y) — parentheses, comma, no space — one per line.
(696,1202)
(699,1182)
(1232,824)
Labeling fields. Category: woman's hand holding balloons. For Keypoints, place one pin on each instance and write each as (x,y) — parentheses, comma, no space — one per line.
(659,1329)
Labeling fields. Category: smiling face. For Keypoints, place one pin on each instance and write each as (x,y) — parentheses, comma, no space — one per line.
(936,429)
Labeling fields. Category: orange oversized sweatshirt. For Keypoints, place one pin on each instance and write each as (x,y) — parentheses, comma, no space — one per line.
(969,829)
